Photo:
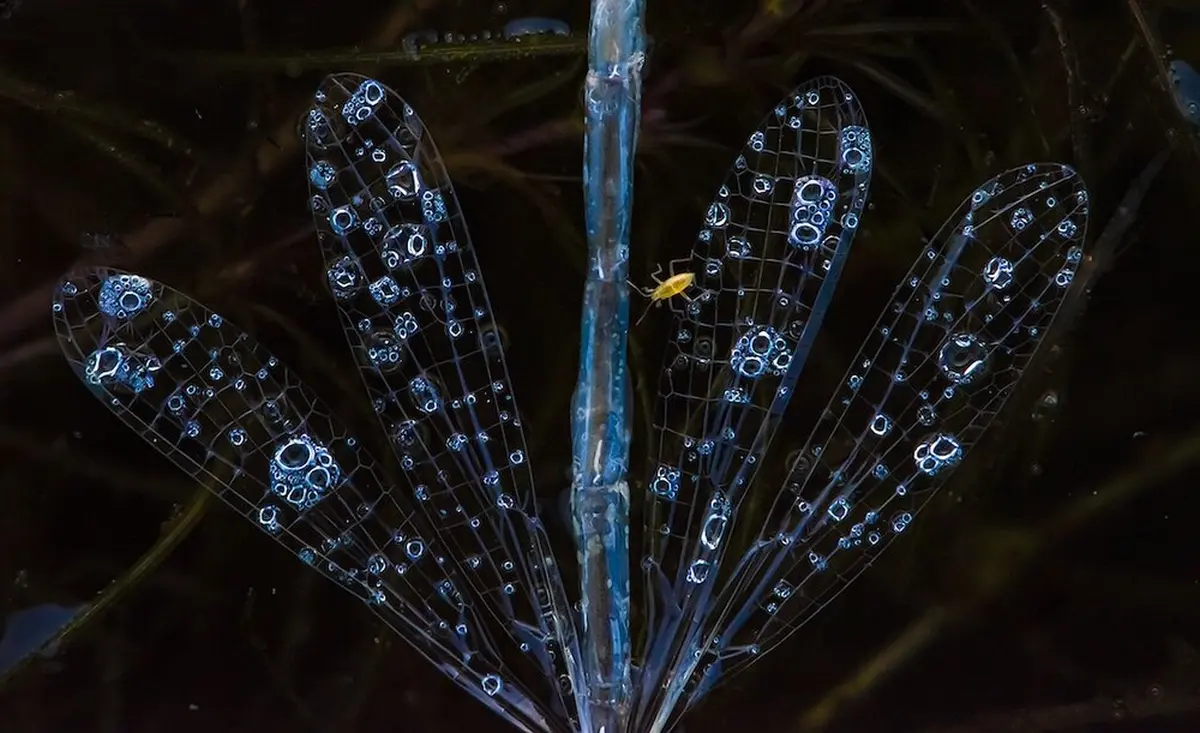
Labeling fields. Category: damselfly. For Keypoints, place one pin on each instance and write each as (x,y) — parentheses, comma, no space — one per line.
(449,552)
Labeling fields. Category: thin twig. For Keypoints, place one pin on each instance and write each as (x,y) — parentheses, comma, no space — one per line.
(70,103)
(349,59)
(1153,701)
(1079,134)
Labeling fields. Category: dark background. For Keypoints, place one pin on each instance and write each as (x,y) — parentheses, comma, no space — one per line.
(1052,586)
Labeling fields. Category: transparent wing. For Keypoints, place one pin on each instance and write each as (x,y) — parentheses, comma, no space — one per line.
(937,367)
(767,260)
(216,403)
(415,310)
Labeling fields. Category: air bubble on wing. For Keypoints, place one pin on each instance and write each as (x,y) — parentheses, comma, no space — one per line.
(403,272)
(772,246)
(228,413)
(936,369)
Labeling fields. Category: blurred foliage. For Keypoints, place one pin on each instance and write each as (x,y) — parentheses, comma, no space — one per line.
(1051,586)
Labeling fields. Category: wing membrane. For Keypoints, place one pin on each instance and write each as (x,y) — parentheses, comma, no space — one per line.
(412,300)
(935,370)
(215,402)
(773,244)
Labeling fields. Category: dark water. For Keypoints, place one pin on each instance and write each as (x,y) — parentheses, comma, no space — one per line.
(1054,585)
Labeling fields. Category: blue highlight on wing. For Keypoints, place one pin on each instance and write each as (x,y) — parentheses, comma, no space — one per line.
(447,548)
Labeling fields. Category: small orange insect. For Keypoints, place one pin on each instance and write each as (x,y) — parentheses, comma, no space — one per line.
(675,284)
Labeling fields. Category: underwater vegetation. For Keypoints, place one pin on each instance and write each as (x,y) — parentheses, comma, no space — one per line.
(771,429)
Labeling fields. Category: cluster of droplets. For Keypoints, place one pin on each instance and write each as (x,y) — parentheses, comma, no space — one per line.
(302,471)
(125,296)
(760,350)
(963,358)
(854,148)
(811,210)
(121,368)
